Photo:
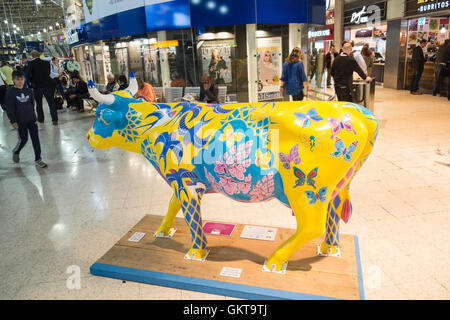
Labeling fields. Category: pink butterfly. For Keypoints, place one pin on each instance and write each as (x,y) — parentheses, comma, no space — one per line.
(229,185)
(237,171)
(292,156)
(220,167)
(346,124)
(246,185)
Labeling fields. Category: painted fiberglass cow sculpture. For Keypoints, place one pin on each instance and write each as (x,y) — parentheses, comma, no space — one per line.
(302,153)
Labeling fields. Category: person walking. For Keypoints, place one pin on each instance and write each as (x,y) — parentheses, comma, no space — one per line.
(20,110)
(293,77)
(342,73)
(368,59)
(7,71)
(2,90)
(441,67)
(417,64)
(329,59)
(39,79)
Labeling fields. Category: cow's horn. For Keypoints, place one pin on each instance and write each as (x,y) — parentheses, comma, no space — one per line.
(133,86)
(105,98)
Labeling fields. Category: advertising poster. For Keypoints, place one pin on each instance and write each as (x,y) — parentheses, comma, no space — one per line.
(151,64)
(216,60)
(270,65)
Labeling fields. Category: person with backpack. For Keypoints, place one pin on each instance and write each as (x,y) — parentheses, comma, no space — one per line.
(293,77)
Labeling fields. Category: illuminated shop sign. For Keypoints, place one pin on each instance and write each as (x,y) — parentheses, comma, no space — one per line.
(365,14)
(437,5)
(319,33)
(413,7)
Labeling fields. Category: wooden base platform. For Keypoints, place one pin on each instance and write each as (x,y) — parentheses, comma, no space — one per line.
(160,261)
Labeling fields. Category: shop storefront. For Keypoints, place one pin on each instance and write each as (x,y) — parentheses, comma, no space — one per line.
(241,45)
(429,20)
(320,39)
(365,23)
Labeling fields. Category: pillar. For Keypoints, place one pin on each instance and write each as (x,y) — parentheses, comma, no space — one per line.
(164,61)
(338,23)
(252,63)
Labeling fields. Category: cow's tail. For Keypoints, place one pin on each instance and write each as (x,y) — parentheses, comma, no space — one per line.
(340,206)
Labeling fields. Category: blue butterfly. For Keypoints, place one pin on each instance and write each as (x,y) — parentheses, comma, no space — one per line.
(341,150)
(302,177)
(306,118)
(313,196)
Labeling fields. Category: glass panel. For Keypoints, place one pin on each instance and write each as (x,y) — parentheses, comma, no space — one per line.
(221,53)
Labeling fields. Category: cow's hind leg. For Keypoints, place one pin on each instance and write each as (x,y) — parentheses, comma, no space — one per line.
(169,219)
(330,246)
(190,204)
(310,225)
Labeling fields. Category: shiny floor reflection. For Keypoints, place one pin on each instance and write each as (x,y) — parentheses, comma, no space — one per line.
(58,220)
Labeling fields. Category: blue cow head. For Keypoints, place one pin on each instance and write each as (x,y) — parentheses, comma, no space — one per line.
(112,124)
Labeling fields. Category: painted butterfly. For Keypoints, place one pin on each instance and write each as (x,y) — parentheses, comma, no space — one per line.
(306,118)
(341,150)
(346,124)
(313,196)
(292,156)
(301,177)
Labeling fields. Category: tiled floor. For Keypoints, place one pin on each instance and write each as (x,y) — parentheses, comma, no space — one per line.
(63,218)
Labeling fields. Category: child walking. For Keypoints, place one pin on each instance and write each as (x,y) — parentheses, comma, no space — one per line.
(20,105)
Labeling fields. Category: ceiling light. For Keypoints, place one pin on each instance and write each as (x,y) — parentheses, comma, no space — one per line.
(50,28)
(57,24)
(37,2)
(5,21)
(45,30)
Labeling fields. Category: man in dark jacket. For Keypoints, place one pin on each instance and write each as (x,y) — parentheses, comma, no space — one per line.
(441,67)
(20,103)
(342,73)
(329,59)
(417,64)
(39,78)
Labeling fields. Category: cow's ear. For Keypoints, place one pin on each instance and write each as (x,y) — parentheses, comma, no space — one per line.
(109,116)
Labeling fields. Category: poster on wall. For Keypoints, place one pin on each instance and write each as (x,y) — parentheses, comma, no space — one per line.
(151,64)
(122,60)
(269,68)
(216,60)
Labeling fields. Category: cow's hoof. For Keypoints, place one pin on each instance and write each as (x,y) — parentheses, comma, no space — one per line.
(328,250)
(197,254)
(162,233)
(275,265)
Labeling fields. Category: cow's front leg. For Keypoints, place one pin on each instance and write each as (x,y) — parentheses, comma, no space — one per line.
(167,224)
(190,200)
